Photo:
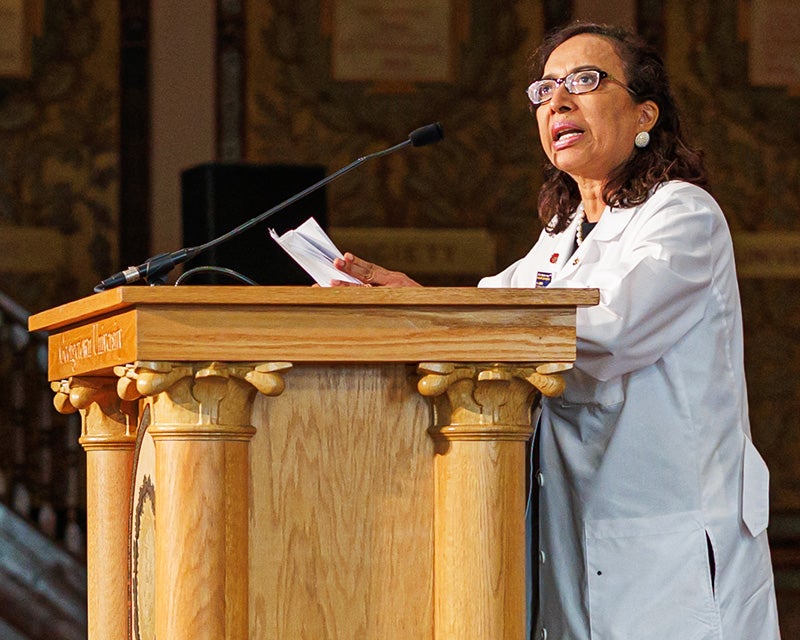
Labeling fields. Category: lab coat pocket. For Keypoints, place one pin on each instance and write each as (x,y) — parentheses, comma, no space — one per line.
(649,579)
(755,490)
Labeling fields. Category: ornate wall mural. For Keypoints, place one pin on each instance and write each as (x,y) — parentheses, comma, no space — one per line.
(484,174)
(58,153)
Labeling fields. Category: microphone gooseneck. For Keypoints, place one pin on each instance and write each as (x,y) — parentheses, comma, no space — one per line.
(154,270)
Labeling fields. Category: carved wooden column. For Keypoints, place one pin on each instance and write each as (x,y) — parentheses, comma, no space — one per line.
(108,436)
(482,420)
(201,428)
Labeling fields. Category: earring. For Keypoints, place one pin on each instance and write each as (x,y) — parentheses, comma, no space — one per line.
(642,139)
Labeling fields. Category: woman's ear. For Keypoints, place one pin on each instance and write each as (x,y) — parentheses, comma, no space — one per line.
(648,115)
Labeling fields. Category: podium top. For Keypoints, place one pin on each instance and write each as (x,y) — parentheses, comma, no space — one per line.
(125,297)
(311,324)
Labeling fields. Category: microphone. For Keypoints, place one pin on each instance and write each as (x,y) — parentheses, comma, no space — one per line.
(154,270)
(428,134)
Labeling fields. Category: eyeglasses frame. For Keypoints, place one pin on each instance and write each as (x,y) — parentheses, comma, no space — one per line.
(604,75)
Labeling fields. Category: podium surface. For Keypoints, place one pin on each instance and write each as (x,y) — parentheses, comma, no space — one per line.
(282,462)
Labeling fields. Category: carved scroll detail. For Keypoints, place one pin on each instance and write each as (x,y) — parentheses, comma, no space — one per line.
(486,401)
(143,379)
(108,421)
(210,400)
(546,378)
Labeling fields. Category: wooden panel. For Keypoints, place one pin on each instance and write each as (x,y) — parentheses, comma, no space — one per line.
(336,334)
(122,297)
(303,324)
(95,347)
(341,524)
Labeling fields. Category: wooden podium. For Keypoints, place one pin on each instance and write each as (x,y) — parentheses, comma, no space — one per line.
(275,463)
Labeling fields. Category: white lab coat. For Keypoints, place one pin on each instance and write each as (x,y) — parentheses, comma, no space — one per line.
(647,460)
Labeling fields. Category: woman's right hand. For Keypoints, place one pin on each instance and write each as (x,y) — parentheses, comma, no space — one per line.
(370,274)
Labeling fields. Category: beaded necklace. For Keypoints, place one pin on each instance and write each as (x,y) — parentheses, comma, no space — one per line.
(584,227)
(579,229)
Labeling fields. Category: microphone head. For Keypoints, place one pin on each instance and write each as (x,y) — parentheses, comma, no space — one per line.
(428,134)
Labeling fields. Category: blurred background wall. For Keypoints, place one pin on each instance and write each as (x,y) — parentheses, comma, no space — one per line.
(106,102)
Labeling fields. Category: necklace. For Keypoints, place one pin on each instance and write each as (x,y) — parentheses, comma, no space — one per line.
(579,228)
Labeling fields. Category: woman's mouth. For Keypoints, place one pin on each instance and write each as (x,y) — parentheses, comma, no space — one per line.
(565,135)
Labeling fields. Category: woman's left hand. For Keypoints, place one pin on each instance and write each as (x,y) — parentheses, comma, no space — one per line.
(370,274)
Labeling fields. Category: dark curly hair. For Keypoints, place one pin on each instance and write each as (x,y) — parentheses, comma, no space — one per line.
(667,157)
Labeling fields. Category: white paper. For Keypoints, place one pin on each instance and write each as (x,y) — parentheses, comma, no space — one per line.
(312,249)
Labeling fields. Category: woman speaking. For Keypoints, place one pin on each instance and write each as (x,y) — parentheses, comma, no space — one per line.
(652,499)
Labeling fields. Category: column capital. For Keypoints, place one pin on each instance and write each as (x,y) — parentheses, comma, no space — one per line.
(147,378)
(486,401)
(108,422)
(200,401)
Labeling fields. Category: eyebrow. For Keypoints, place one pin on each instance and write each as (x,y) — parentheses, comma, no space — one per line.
(584,67)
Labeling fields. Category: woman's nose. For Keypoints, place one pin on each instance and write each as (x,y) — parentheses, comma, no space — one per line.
(562,100)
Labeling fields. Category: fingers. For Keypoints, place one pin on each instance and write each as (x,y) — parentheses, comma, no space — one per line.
(345,283)
(370,274)
(356,267)
(361,269)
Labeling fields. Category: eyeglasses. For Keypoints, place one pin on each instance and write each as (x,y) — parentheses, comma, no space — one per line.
(576,83)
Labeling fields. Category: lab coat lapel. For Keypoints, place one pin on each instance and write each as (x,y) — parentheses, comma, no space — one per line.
(610,227)
(558,253)
(612,224)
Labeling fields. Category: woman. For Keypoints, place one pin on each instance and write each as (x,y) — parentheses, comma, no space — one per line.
(653,501)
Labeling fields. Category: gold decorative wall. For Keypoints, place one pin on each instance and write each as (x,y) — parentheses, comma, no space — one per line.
(59,158)
(483,175)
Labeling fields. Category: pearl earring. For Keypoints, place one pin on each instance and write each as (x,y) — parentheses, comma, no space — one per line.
(642,139)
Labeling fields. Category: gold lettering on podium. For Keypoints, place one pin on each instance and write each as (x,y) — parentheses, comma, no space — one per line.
(97,345)
(99,342)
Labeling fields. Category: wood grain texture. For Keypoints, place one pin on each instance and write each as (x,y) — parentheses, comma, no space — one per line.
(113,300)
(201,586)
(481,425)
(108,436)
(341,334)
(201,436)
(480,534)
(190,540)
(341,518)
(107,505)
(298,324)
(108,488)
(352,513)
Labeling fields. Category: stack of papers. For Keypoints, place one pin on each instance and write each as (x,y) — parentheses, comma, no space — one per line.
(312,249)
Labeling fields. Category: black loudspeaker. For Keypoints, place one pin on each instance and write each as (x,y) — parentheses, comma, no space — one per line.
(217,197)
